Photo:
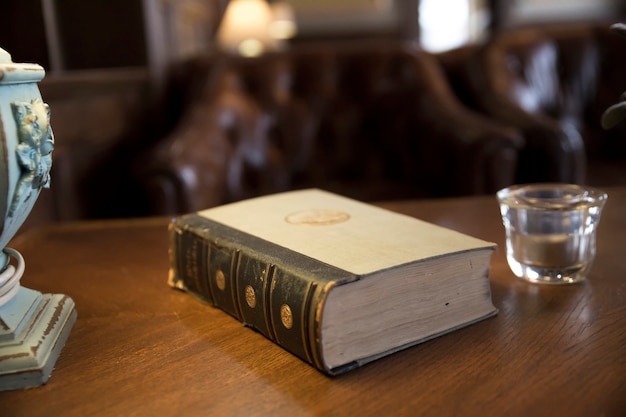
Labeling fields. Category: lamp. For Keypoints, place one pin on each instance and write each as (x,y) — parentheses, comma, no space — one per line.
(251,27)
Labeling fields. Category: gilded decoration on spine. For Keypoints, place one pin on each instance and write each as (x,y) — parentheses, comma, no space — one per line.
(220,280)
(285,316)
(34,151)
(250,296)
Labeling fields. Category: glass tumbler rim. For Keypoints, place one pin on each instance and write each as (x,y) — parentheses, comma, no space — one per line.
(551,196)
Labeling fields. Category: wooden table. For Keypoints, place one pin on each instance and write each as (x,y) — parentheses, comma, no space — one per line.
(140,348)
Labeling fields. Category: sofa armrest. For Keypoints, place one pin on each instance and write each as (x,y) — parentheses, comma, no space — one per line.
(480,153)
(516,80)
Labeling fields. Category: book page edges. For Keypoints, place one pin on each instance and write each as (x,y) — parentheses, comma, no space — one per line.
(368,318)
(360,362)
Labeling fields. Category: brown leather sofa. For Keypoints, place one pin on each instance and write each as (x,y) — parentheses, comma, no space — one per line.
(369,121)
(552,83)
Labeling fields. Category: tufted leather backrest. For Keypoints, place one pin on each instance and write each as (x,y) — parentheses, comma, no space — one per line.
(369,121)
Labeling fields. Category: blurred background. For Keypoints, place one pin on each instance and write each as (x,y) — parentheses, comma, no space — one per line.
(69,35)
(110,67)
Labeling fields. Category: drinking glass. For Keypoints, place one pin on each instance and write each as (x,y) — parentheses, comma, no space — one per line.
(551,230)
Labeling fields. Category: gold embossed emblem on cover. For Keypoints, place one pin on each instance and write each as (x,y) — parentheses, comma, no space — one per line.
(317,217)
(285,316)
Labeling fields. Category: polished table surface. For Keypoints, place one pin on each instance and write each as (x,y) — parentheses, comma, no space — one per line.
(140,348)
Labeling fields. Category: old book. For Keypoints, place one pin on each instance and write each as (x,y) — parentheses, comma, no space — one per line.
(335,281)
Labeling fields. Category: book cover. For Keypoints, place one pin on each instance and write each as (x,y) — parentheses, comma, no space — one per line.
(335,281)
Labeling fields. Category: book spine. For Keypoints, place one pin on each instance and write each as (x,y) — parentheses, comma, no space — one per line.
(271,289)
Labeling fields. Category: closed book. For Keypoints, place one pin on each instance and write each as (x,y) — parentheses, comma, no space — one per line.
(335,281)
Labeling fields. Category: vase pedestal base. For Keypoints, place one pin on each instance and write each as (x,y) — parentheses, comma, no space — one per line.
(33,330)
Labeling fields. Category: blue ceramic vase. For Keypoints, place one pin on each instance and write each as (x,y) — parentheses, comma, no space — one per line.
(33,326)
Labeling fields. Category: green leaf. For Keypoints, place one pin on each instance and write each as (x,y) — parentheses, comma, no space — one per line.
(614,115)
(619,28)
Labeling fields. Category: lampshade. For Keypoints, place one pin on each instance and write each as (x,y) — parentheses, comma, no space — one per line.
(251,27)
(245,28)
